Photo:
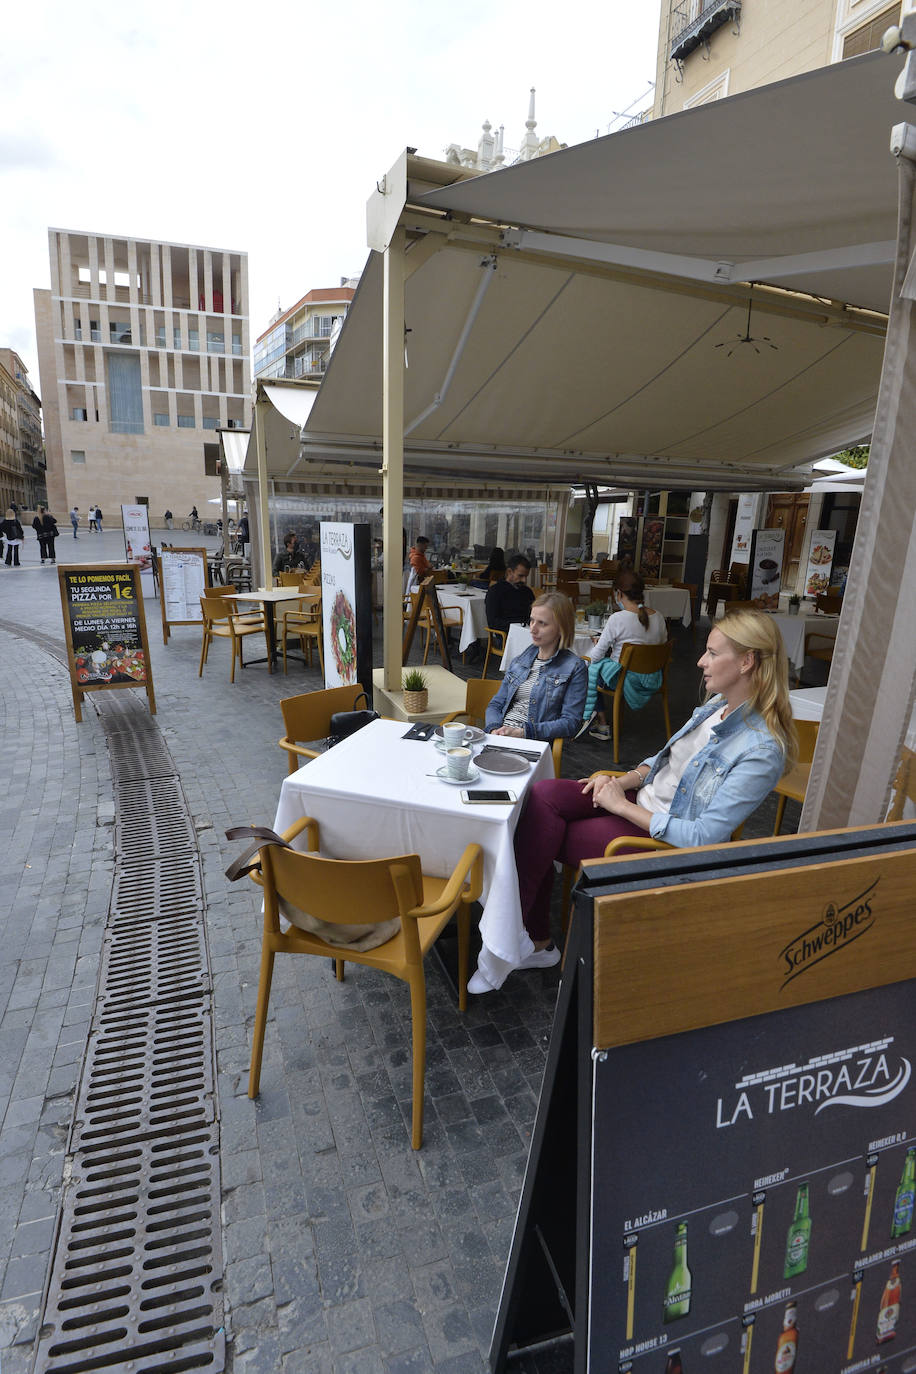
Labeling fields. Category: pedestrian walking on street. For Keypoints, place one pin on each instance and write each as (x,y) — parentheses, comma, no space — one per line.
(45,526)
(98,519)
(90,516)
(12,533)
(75,520)
(168,519)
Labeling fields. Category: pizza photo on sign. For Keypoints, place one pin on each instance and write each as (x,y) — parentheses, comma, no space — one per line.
(821,553)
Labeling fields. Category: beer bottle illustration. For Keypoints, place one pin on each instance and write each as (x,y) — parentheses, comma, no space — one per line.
(673,1363)
(889,1310)
(787,1345)
(903,1202)
(677,1294)
(799,1236)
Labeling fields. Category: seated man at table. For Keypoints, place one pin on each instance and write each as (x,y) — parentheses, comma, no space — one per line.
(509,600)
(419,563)
(290,556)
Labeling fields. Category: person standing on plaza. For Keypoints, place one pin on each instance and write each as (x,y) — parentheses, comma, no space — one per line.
(12,533)
(45,527)
(242,534)
(75,520)
(98,519)
(168,519)
(90,516)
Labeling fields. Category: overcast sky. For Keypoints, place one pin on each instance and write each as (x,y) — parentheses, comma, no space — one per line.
(263,128)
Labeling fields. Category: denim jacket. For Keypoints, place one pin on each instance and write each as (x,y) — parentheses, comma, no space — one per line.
(557,700)
(723,783)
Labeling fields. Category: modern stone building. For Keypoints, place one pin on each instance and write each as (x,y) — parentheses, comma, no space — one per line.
(298,341)
(143,348)
(22,466)
(709,49)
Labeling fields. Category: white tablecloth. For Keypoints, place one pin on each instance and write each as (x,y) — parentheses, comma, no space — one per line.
(474,612)
(671,602)
(808,702)
(372,797)
(519,638)
(793,629)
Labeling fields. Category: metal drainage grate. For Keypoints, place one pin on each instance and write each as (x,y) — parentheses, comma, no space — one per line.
(137,1282)
(152,822)
(166,887)
(136,1277)
(148,961)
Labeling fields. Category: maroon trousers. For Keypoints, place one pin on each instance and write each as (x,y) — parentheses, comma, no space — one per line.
(560,821)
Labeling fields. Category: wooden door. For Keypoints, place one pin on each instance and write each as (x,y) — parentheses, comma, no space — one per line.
(789,512)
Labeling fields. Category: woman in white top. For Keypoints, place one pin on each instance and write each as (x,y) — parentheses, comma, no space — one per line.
(633,623)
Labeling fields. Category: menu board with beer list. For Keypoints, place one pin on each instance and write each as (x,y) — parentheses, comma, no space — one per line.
(723,1165)
(105,629)
(788,1162)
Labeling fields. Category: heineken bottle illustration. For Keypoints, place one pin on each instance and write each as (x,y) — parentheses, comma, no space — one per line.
(903,1202)
(799,1237)
(677,1294)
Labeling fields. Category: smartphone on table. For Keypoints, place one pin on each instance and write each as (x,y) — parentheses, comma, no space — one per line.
(488,796)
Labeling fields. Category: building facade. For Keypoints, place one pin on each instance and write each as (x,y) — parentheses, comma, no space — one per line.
(298,341)
(143,351)
(709,49)
(22,464)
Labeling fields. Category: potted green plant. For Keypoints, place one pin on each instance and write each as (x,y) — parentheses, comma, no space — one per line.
(416,692)
(595,612)
(794,603)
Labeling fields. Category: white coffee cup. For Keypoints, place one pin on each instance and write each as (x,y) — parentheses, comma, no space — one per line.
(458,762)
(453,735)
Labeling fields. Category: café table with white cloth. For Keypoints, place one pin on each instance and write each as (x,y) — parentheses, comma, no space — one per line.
(807,703)
(473,606)
(793,629)
(518,638)
(373,797)
(671,602)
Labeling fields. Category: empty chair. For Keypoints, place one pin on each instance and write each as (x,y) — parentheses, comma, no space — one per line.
(478,695)
(222,621)
(794,784)
(308,717)
(337,891)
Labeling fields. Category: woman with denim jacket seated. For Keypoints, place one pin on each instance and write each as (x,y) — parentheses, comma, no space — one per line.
(708,778)
(543,691)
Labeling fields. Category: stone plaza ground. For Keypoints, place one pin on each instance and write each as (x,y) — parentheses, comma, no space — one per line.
(344,1251)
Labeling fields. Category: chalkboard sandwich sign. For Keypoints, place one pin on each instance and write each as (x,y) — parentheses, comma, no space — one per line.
(105,630)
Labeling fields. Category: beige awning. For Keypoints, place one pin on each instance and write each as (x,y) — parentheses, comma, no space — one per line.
(581,316)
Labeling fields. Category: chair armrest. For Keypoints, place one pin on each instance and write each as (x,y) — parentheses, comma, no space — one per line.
(609,773)
(299,749)
(468,868)
(307,823)
(634,842)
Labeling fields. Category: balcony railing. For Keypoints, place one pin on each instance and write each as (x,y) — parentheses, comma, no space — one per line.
(713,14)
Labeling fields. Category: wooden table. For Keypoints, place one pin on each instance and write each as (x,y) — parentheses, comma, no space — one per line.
(447,693)
(267,597)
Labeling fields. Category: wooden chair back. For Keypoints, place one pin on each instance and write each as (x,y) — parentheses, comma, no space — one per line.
(828,603)
(308,717)
(341,891)
(639,658)
(794,784)
(289,579)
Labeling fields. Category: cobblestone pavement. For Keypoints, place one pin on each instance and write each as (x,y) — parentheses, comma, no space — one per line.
(345,1251)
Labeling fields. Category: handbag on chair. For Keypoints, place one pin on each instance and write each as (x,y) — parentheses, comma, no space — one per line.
(346,723)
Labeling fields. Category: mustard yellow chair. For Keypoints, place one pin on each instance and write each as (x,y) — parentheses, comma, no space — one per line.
(794,784)
(338,891)
(637,658)
(308,717)
(222,621)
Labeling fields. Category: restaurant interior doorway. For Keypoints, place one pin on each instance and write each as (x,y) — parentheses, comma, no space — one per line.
(789,511)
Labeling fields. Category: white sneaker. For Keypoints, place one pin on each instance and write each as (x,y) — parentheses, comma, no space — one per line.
(585,724)
(478,984)
(541,958)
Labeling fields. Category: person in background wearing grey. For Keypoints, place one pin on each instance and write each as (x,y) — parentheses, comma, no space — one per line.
(75,520)
(45,526)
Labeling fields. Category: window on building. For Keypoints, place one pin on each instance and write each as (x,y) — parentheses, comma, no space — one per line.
(237,344)
(160,336)
(210,422)
(868,37)
(160,417)
(176,336)
(95,332)
(185,421)
(194,340)
(77,455)
(125,397)
(79,413)
(119,331)
(216,343)
(77,328)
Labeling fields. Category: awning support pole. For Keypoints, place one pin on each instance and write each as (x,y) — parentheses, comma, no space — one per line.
(265,579)
(393,457)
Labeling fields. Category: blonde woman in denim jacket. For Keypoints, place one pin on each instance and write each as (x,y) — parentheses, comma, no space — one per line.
(543,691)
(708,778)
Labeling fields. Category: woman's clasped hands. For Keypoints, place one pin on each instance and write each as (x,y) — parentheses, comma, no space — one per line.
(606,793)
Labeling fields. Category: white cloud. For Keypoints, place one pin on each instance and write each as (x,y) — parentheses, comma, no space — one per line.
(264,129)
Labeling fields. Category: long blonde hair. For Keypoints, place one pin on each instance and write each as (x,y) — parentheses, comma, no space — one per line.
(564,613)
(752,632)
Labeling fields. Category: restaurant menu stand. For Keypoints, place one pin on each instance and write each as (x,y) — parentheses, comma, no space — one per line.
(723,1164)
(105,629)
(184,577)
(427,596)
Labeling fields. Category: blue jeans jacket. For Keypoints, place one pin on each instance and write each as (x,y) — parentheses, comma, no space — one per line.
(556,704)
(724,783)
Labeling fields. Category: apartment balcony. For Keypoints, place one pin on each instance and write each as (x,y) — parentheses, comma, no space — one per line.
(712,16)
(311,366)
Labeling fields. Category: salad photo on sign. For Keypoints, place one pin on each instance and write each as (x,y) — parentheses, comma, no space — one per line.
(343,638)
